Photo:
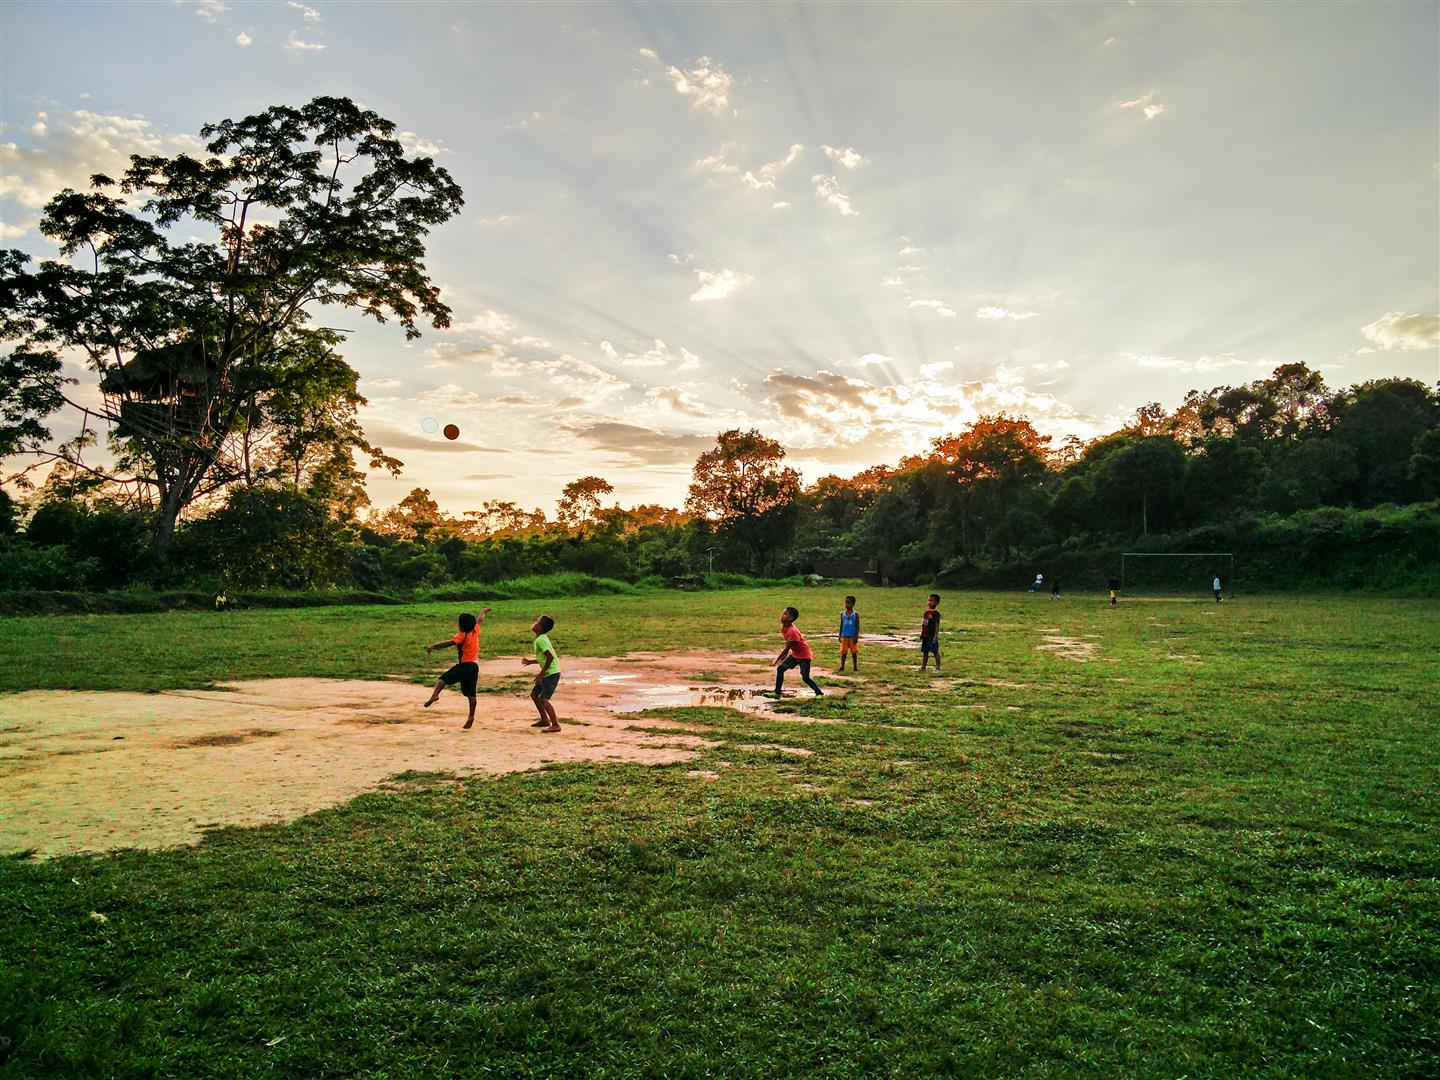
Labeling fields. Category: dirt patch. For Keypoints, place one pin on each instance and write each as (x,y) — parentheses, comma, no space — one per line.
(94,772)
(1071,648)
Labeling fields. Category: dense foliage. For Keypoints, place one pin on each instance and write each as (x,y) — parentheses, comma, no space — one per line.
(1306,485)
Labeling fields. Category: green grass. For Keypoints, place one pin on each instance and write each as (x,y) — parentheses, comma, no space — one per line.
(1145,865)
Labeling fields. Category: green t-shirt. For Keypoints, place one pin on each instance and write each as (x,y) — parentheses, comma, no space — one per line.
(542,646)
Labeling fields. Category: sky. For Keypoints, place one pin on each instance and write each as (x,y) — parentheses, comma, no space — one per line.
(854,227)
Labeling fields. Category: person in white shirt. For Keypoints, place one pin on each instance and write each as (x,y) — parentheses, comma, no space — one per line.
(1039,580)
(1216,587)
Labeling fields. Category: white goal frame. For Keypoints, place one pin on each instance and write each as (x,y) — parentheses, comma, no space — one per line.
(1225,577)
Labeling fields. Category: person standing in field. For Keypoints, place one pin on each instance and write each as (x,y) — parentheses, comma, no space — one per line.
(547,678)
(850,634)
(466,670)
(1216,585)
(796,653)
(1114,591)
(1054,588)
(930,632)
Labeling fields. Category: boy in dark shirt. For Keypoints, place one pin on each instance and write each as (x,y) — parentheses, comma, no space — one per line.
(930,633)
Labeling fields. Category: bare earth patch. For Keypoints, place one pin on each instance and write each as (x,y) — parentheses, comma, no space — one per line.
(1071,648)
(93,772)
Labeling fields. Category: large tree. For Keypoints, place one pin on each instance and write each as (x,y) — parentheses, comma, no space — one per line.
(189,284)
(744,488)
(582,501)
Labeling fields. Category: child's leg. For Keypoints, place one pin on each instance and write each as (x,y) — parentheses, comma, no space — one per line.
(550,715)
(842,656)
(937,657)
(785,666)
(539,703)
(469,720)
(435,693)
(805,678)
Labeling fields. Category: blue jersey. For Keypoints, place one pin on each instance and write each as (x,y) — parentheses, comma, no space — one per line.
(849,624)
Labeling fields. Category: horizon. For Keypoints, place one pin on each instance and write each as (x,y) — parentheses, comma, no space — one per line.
(716,217)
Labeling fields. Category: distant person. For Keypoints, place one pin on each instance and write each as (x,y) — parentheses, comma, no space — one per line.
(547,678)
(1216,586)
(1114,591)
(850,635)
(930,632)
(1055,588)
(466,670)
(1037,583)
(796,653)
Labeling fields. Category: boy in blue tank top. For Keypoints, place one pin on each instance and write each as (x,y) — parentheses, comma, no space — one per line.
(850,635)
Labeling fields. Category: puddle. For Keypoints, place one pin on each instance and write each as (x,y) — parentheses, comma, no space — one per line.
(892,641)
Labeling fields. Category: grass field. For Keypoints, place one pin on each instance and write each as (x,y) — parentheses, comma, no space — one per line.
(1211,850)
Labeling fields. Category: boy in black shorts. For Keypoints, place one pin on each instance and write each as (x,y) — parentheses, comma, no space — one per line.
(930,632)
(466,670)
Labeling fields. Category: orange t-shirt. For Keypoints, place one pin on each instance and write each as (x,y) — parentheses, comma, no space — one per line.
(799,647)
(469,646)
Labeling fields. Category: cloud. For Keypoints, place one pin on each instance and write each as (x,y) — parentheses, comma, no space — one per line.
(871,359)
(761,179)
(673,399)
(1207,363)
(678,259)
(1146,104)
(779,205)
(394,438)
(649,54)
(707,83)
(911,249)
(717,285)
(295,44)
(1396,331)
(418,145)
(892,280)
(485,322)
(1109,41)
(848,157)
(66,150)
(385,383)
(531,342)
(491,222)
(206,9)
(450,354)
(658,355)
(997,313)
(939,367)
(828,189)
(9,232)
(243,39)
(938,306)
(309,14)
(632,444)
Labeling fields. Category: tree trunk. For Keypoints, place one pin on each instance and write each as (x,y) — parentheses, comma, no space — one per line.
(162,542)
(1144,512)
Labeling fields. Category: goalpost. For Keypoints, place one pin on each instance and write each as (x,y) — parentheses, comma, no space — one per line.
(1175,573)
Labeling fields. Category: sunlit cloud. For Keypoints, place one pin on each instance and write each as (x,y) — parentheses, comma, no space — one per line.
(779,205)
(491,222)
(761,179)
(383,383)
(205,9)
(1145,104)
(828,189)
(1396,331)
(1204,365)
(296,44)
(938,306)
(996,313)
(718,284)
(419,146)
(631,444)
(650,54)
(707,83)
(484,322)
(309,14)
(243,39)
(846,157)
(658,355)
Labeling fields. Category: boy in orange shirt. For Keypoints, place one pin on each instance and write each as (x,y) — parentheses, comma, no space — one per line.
(796,653)
(466,670)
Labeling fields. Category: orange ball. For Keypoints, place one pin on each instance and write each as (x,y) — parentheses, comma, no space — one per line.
(452,432)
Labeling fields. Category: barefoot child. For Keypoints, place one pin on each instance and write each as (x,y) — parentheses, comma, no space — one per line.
(466,670)
(930,632)
(850,634)
(547,678)
(796,653)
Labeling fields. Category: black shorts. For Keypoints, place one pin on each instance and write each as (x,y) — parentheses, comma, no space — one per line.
(546,689)
(467,674)
(929,645)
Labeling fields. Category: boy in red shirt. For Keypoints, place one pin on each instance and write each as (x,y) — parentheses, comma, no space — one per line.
(796,653)
(466,670)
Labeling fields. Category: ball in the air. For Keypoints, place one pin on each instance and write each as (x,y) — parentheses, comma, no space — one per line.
(452,432)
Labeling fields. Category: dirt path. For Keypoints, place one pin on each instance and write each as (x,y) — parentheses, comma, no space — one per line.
(92,772)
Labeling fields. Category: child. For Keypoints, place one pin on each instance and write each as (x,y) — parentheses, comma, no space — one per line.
(930,632)
(1217,588)
(547,678)
(796,653)
(850,634)
(1055,588)
(466,670)
(1114,591)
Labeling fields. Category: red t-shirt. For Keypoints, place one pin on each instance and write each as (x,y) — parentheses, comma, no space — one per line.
(469,646)
(796,640)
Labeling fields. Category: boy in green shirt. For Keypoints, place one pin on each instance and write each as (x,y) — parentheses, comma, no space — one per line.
(548,677)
